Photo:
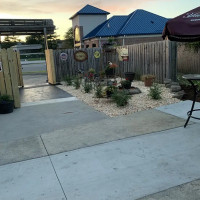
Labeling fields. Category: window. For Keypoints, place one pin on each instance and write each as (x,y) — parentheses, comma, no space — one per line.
(94,45)
(87,45)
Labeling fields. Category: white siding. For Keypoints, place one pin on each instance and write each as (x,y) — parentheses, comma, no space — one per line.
(75,21)
(89,22)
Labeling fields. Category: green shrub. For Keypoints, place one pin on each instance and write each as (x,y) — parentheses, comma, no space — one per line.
(126,84)
(110,90)
(68,80)
(98,91)
(181,80)
(5,97)
(76,82)
(120,97)
(87,87)
(91,70)
(155,91)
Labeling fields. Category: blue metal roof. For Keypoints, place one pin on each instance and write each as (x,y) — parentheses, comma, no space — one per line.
(140,22)
(90,10)
(110,27)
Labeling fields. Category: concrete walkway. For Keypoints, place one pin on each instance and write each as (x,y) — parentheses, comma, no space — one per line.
(146,155)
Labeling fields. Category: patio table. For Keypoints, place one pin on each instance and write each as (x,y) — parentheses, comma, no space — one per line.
(192,78)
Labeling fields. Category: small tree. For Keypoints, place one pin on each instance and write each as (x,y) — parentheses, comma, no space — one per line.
(69,39)
(35,39)
(9,41)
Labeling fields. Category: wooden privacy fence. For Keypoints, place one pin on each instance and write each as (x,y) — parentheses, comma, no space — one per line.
(158,58)
(188,60)
(10,75)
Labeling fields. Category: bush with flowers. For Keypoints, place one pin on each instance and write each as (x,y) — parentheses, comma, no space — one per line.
(91,73)
(110,69)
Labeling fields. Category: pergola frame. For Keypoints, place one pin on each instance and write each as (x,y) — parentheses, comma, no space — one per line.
(12,27)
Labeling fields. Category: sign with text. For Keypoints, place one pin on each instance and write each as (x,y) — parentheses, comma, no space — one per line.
(80,56)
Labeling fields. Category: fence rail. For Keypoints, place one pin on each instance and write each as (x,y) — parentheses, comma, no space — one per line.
(157,58)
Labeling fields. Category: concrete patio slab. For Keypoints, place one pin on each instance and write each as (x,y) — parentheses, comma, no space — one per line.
(131,168)
(42,92)
(109,130)
(33,179)
(35,120)
(23,149)
(33,80)
(180,109)
(188,191)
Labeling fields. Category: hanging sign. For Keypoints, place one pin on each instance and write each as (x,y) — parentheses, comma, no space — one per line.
(97,54)
(80,56)
(123,54)
(1,67)
(63,56)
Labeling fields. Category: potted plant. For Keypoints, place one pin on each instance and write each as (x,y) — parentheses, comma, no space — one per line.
(129,76)
(109,46)
(110,69)
(148,79)
(126,84)
(6,104)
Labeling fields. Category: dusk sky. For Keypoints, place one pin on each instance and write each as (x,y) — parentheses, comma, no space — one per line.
(61,10)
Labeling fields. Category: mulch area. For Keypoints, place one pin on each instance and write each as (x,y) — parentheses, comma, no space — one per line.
(189,93)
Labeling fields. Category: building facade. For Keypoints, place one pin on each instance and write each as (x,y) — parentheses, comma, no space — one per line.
(93,30)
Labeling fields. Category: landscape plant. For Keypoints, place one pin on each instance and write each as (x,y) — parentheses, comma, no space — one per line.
(77,82)
(5,97)
(121,98)
(68,80)
(87,87)
(126,84)
(91,73)
(98,91)
(110,90)
(155,91)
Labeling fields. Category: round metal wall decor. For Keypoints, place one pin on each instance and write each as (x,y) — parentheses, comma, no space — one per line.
(97,54)
(63,56)
(80,56)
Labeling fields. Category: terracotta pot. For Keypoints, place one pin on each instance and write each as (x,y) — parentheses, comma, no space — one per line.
(148,81)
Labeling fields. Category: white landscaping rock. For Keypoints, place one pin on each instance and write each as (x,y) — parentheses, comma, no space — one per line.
(138,102)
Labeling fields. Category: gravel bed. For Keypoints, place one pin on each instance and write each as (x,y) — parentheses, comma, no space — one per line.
(137,103)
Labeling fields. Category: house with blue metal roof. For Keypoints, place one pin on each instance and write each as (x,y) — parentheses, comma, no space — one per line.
(85,20)
(138,27)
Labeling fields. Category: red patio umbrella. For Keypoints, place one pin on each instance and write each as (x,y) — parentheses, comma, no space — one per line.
(184,28)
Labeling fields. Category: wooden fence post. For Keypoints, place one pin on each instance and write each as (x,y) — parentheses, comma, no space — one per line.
(12,62)
(19,67)
(6,72)
(50,66)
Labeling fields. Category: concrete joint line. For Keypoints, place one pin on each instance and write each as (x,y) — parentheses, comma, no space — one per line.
(54,168)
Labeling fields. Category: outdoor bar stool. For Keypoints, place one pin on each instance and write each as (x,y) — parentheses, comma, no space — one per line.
(192,78)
